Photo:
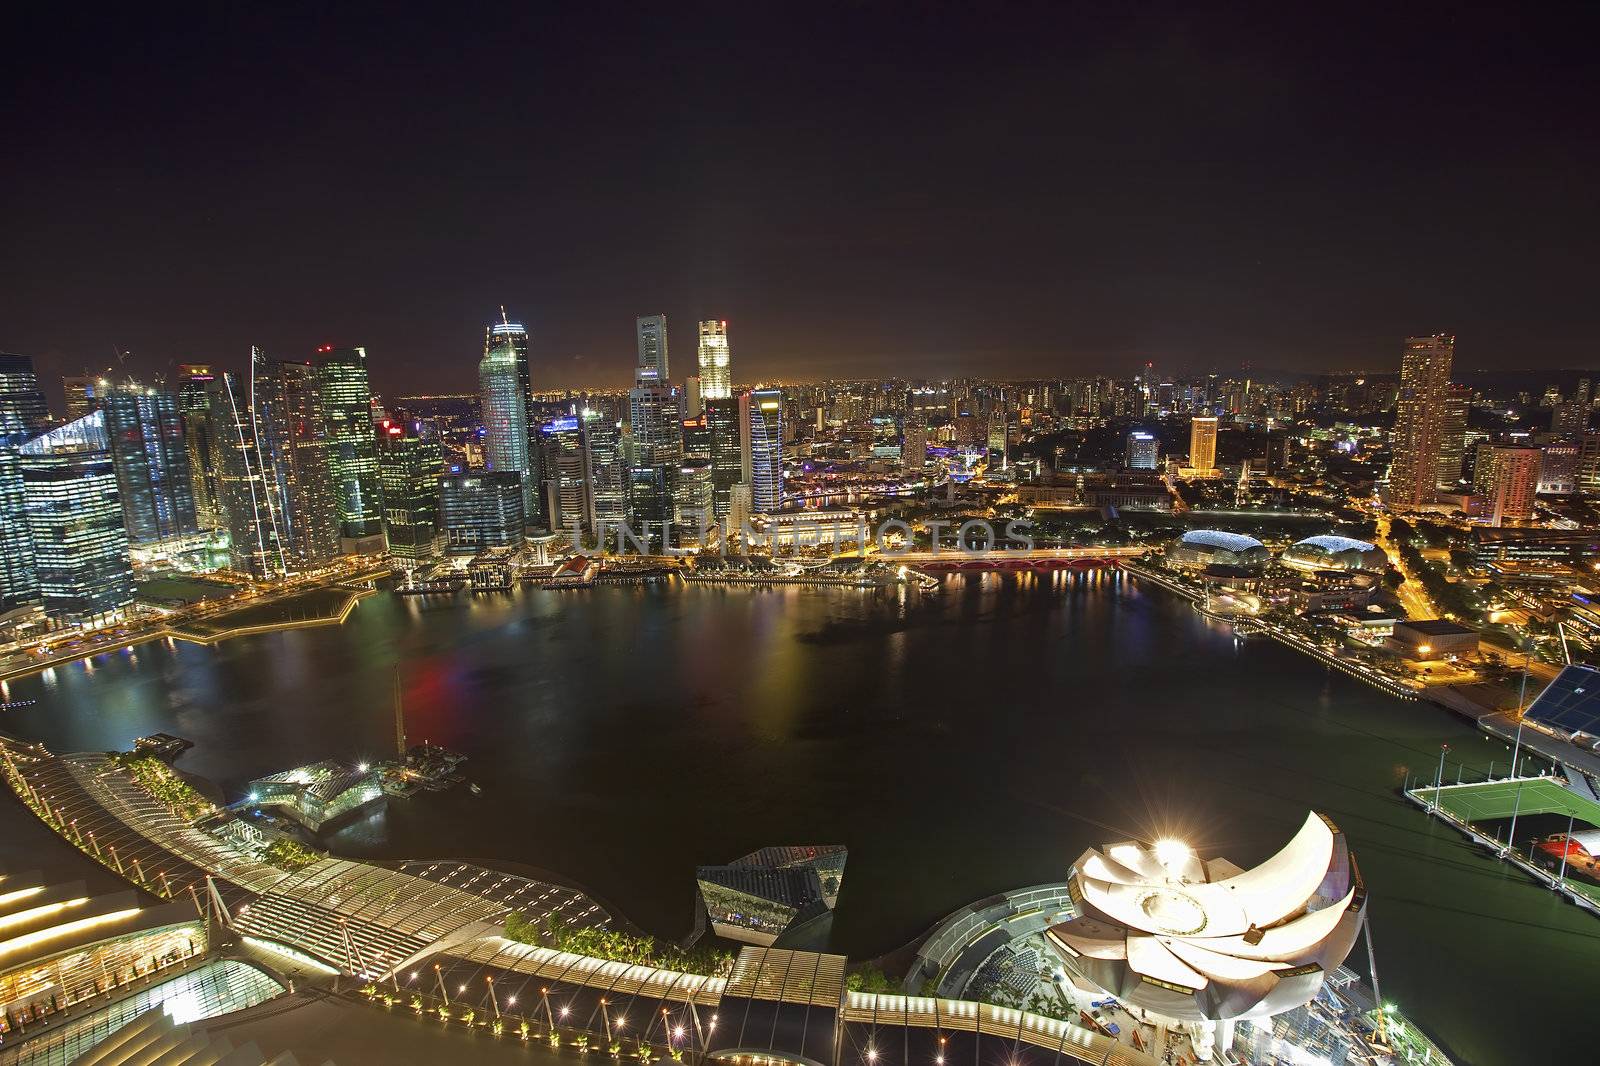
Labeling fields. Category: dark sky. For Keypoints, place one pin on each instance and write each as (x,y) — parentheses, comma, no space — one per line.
(928,189)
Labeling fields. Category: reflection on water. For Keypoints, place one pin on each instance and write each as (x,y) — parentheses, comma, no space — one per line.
(959,744)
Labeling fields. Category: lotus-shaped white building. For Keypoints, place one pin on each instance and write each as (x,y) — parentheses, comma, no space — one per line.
(1204,942)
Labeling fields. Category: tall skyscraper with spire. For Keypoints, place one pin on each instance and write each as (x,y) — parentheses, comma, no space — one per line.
(651,368)
(716,374)
(1419,419)
(505,383)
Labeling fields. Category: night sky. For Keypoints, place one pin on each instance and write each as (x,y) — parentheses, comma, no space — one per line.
(920,190)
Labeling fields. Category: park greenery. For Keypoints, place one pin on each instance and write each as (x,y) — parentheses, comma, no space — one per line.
(870,979)
(162,783)
(290,855)
(616,946)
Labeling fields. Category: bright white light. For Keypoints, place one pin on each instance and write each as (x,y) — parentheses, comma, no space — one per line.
(1172,853)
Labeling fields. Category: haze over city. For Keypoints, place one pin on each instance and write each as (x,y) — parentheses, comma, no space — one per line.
(1038,190)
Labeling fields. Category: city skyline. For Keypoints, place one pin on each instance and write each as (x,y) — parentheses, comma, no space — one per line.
(954,197)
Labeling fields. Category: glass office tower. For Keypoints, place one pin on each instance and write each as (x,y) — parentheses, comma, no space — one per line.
(726,452)
(410,461)
(651,367)
(716,373)
(22,406)
(481,510)
(291,436)
(195,410)
(151,459)
(249,510)
(607,474)
(74,516)
(341,375)
(505,382)
(761,426)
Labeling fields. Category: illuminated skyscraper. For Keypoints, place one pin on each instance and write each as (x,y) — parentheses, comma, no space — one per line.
(481,510)
(1203,444)
(1419,419)
(74,515)
(564,455)
(655,448)
(651,368)
(761,434)
(716,374)
(505,386)
(607,474)
(22,406)
(1571,416)
(726,452)
(290,434)
(913,445)
(410,462)
(249,512)
(999,458)
(341,376)
(19,583)
(151,459)
(1143,451)
(83,393)
(1453,437)
(195,410)
(1507,476)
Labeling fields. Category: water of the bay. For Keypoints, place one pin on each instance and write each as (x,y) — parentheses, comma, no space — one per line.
(960,744)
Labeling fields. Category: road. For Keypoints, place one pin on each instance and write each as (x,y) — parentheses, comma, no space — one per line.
(1410,593)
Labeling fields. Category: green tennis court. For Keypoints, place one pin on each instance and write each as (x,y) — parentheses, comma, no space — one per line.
(1492,800)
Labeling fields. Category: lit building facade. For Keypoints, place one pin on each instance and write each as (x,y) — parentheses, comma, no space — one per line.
(564,449)
(716,373)
(74,515)
(607,474)
(655,451)
(410,463)
(1203,444)
(1507,476)
(22,406)
(151,459)
(1420,419)
(726,452)
(1453,437)
(505,384)
(293,454)
(341,375)
(1143,451)
(652,369)
(249,512)
(195,410)
(761,429)
(482,510)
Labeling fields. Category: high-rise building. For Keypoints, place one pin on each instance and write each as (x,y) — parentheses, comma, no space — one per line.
(1571,416)
(761,437)
(694,405)
(607,473)
(693,494)
(83,393)
(1143,451)
(1508,476)
(716,374)
(151,460)
(913,445)
(1419,419)
(410,463)
(1203,444)
(249,512)
(726,452)
(341,376)
(294,455)
(74,516)
(1589,464)
(999,454)
(564,455)
(651,369)
(505,384)
(1453,437)
(194,408)
(1558,469)
(481,510)
(655,450)
(22,406)
(19,582)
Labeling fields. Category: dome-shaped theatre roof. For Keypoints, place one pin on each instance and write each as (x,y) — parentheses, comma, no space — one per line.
(1216,538)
